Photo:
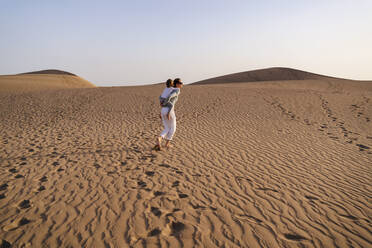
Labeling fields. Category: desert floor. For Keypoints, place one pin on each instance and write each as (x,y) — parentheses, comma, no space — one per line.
(280,164)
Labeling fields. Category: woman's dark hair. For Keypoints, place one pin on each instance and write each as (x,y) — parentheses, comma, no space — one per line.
(169,83)
(176,81)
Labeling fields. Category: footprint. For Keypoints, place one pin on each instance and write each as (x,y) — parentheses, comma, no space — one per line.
(158,193)
(183,195)
(15,224)
(25,204)
(41,188)
(12,226)
(150,173)
(13,170)
(142,184)
(154,232)
(44,217)
(177,227)
(164,165)
(60,169)
(176,183)
(24,221)
(294,237)
(19,176)
(5,244)
(362,146)
(156,211)
(4,186)
(55,163)
(123,163)
(43,179)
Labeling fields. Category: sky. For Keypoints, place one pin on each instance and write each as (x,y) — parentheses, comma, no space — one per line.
(122,42)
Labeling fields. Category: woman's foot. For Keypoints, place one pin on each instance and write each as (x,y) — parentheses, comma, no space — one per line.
(169,147)
(157,148)
(167,144)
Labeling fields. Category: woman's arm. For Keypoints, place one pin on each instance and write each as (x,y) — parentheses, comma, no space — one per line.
(173,93)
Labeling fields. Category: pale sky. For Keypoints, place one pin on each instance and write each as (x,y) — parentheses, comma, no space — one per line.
(147,41)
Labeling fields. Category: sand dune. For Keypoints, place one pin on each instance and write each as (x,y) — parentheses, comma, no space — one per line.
(42,80)
(269,74)
(284,164)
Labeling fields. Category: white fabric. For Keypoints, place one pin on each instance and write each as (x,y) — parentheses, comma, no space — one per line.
(166,92)
(169,125)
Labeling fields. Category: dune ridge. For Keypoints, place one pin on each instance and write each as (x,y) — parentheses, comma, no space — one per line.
(268,74)
(267,164)
(49,72)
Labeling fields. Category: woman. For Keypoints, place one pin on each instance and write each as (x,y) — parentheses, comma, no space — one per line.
(168,115)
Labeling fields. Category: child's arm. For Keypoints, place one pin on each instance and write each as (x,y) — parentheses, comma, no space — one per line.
(161,100)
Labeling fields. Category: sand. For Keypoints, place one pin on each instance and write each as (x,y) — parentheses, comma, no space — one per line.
(41,80)
(270,164)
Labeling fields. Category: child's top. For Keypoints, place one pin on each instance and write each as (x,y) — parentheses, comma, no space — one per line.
(166,92)
(163,97)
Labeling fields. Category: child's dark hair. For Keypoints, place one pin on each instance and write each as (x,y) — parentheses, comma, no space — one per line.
(169,83)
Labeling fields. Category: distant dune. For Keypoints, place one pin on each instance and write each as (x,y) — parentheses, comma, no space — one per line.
(269,74)
(42,80)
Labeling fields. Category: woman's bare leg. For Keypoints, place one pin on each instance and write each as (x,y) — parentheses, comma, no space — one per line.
(167,143)
(157,147)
